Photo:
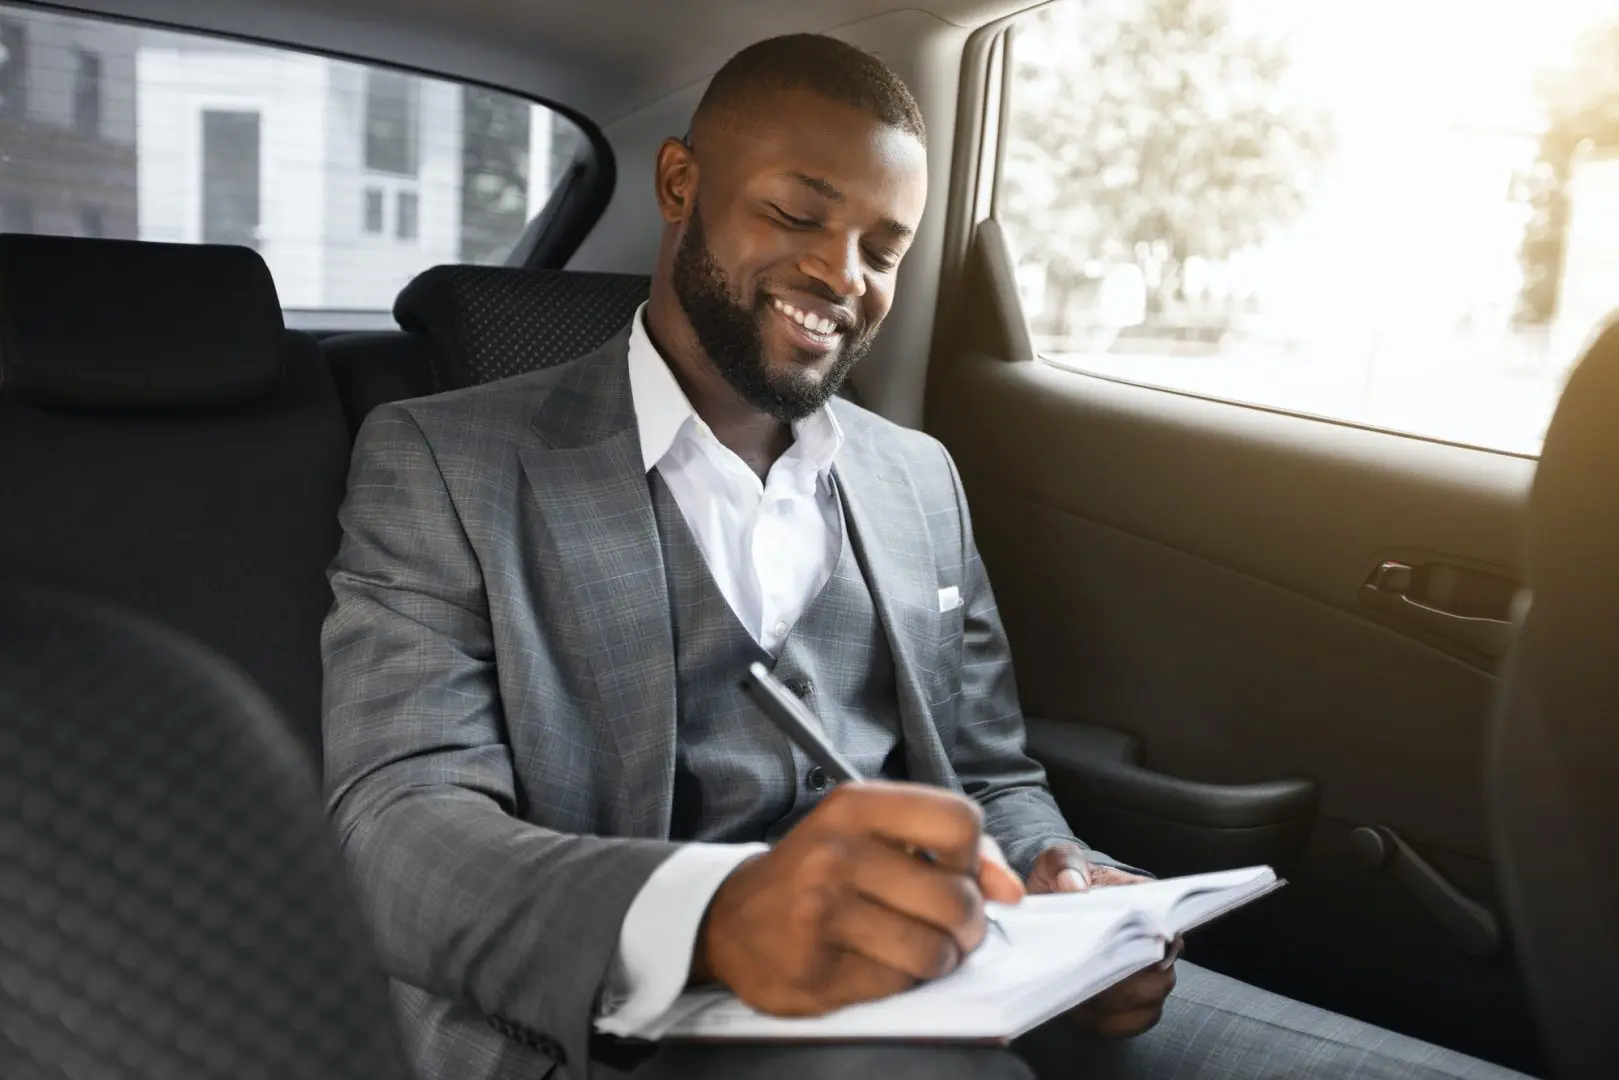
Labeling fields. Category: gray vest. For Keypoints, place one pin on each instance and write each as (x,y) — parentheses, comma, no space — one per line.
(737,778)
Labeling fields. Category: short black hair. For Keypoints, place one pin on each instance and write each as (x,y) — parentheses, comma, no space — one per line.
(821,65)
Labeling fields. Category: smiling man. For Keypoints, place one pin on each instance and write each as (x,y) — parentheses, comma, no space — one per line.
(559,807)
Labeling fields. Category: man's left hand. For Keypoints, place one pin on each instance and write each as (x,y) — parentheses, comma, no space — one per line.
(1133,1006)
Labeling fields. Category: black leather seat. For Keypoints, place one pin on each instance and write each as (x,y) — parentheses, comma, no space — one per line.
(174,907)
(166,444)
(1555,759)
(485,323)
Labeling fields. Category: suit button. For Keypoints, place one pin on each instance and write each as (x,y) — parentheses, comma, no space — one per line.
(816,780)
(800,687)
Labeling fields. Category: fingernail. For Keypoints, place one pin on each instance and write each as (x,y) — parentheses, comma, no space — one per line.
(1071,881)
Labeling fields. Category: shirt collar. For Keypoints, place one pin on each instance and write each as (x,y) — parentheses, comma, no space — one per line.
(661,406)
(663,412)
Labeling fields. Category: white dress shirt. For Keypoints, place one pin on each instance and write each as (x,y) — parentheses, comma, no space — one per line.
(770,546)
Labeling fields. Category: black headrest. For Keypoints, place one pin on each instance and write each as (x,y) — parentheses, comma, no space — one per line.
(1574,510)
(1574,573)
(116,324)
(493,322)
(1555,753)
(174,903)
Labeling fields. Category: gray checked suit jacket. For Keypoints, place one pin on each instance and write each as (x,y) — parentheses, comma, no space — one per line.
(500,693)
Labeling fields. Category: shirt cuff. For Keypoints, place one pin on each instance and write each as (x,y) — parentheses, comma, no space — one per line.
(659,932)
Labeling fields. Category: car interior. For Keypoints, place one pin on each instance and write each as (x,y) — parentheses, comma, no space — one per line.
(1369,645)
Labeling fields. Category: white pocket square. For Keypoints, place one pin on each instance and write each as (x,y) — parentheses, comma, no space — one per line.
(949,598)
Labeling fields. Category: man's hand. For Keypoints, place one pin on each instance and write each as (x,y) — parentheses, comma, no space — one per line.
(842,910)
(1133,1006)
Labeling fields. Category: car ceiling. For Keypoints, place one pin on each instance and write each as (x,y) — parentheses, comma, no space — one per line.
(605,58)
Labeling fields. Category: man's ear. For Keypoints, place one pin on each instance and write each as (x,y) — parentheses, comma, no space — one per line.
(675,180)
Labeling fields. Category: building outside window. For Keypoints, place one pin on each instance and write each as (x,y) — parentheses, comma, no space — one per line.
(373,211)
(408,227)
(391,142)
(16,216)
(348,179)
(87,93)
(13,68)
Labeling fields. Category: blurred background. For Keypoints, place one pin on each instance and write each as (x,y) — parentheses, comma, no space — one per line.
(1401,213)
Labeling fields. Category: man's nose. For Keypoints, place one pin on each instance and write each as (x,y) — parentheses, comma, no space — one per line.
(836,262)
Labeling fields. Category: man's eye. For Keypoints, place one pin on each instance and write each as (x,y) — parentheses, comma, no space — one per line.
(794,222)
(882,262)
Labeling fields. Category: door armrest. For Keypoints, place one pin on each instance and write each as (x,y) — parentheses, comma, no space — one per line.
(1106,766)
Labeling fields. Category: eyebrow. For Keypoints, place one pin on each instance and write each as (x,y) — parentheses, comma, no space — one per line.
(826,190)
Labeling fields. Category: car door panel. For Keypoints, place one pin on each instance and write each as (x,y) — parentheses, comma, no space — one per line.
(1190,574)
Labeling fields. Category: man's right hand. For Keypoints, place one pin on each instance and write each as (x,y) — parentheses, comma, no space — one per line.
(842,911)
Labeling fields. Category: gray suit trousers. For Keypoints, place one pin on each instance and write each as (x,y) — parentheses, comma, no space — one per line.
(1214,1028)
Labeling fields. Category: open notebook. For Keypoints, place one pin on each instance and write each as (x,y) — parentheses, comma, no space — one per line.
(1057,952)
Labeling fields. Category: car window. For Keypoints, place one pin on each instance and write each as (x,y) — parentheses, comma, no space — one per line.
(1398,213)
(349,179)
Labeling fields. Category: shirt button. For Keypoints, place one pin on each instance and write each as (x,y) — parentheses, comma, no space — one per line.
(780,627)
(816,780)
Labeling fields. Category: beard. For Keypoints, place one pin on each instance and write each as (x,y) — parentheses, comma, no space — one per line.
(732,334)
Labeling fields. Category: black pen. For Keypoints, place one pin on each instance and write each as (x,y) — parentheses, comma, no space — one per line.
(795,720)
(800,725)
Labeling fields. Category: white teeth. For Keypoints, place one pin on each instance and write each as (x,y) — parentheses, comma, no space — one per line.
(807,320)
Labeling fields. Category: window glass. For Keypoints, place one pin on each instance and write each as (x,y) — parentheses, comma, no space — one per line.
(13,67)
(1399,213)
(391,121)
(87,93)
(16,215)
(348,179)
(408,209)
(373,210)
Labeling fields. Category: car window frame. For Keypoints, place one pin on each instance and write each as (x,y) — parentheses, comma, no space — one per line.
(1001,37)
(548,239)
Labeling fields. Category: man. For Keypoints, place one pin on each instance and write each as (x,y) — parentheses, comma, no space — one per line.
(559,807)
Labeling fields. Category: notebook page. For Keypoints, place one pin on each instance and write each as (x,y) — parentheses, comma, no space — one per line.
(1058,950)
(1121,956)
(987,997)
(1170,905)
(1237,888)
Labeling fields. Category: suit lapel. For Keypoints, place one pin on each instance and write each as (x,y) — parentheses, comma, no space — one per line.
(592,501)
(890,535)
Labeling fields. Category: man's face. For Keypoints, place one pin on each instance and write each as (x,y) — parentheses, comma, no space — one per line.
(785,268)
